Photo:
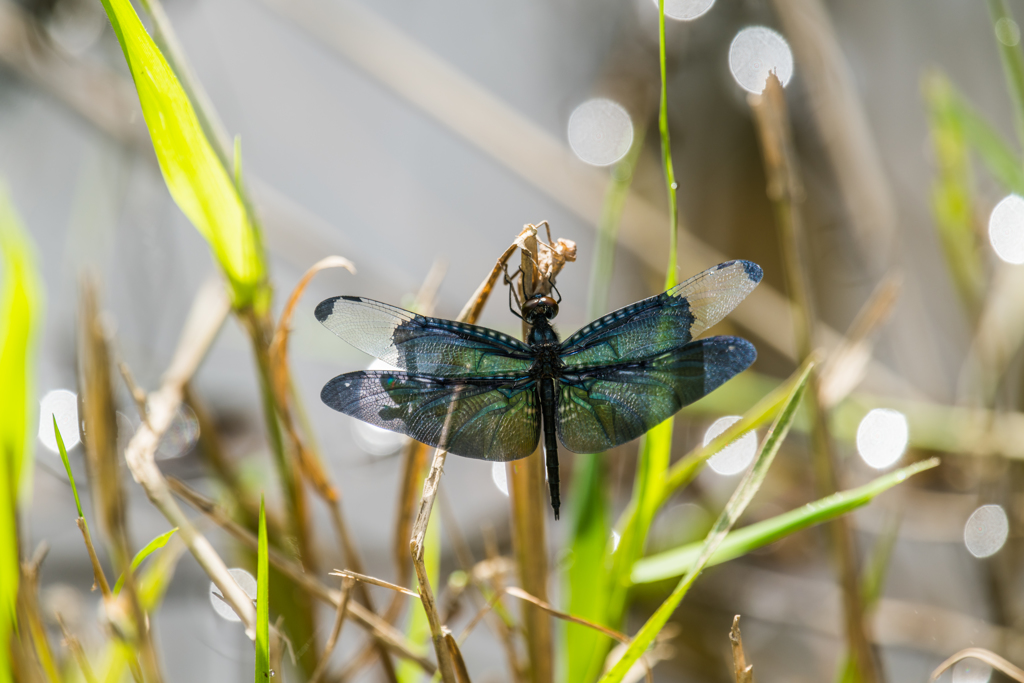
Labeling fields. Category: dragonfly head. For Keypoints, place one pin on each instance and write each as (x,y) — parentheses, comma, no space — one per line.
(539,306)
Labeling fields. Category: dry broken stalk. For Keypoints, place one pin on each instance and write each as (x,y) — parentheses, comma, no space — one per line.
(332,640)
(991,658)
(209,310)
(469,315)
(785,191)
(99,435)
(744,672)
(310,462)
(378,628)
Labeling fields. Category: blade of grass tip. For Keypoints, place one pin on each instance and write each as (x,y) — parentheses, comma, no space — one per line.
(675,562)
(741,497)
(263,672)
(1012,59)
(192,170)
(656,446)
(67,465)
(151,547)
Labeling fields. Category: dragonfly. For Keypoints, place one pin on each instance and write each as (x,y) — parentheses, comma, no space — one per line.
(482,394)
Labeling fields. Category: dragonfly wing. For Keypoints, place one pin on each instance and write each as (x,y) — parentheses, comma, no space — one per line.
(485,418)
(603,406)
(663,322)
(420,344)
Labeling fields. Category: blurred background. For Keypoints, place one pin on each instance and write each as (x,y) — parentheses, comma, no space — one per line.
(416,138)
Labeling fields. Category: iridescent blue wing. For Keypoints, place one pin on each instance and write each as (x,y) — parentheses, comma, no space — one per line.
(663,322)
(486,418)
(420,344)
(606,405)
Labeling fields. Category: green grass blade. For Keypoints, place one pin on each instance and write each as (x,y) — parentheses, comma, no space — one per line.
(671,277)
(953,191)
(1013,62)
(587,575)
(262,602)
(20,309)
(678,561)
(195,176)
(151,547)
(741,497)
(67,465)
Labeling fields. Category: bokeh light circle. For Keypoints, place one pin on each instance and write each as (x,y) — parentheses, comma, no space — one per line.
(1006,229)
(245,581)
(755,52)
(63,405)
(600,132)
(686,10)
(499,477)
(882,437)
(971,670)
(986,530)
(735,457)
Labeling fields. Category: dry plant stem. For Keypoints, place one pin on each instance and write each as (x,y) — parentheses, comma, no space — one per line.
(744,672)
(374,581)
(209,310)
(36,660)
(138,395)
(459,664)
(379,628)
(469,315)
(987,656)
(97,570)
(77,652)
(786,194)
(528,498)
(332,640)
(99,426)
(309,461)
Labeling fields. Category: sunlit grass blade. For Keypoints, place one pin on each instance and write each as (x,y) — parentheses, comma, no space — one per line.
(67,465)
(151,547)
(195,176)
(262,602)
(677,561)
(741,497)
(587,575)
(20,304)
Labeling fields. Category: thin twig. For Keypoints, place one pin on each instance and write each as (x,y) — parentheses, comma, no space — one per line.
(744,672)
(99,578)
(987,656)
(138,395)
(209,310)
(373,580)
(76,650)
(378,628)
(332,640)
(433,480)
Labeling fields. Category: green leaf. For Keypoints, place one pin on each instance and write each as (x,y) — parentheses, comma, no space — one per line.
(677,561)
(151,547)
(262,603)
(195,176)
(20,309)
(67,465)
(741,497)
(587,575)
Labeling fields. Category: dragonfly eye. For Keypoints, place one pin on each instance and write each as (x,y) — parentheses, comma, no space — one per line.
(540,306)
